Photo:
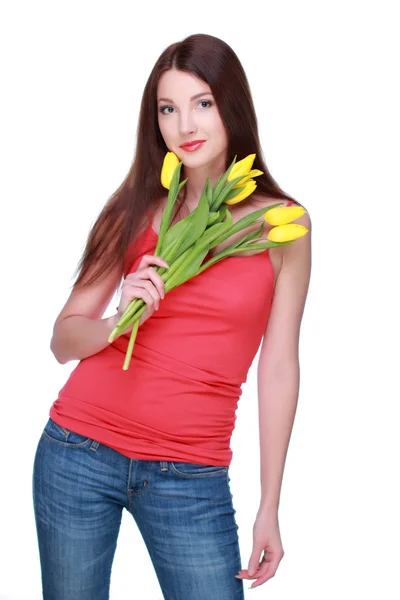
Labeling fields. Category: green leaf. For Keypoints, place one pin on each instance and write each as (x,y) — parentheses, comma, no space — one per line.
(176,265)
(234,192)
(189,268)
(168,210)
(242,223)
(215,188)
(211,234)
(173,234)
(251,218)
(222,211)
(228,224)
(253,235)
(185,233)
(209,192)
(227,189)
(182,184)
(220,184)
(199,220)
(213,217)
(223,254)
(261,246)
(234,248)
(175,244)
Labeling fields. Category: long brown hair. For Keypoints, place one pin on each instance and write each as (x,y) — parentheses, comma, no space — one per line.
(213,61)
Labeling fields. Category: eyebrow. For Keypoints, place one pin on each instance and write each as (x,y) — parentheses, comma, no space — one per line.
(192,98)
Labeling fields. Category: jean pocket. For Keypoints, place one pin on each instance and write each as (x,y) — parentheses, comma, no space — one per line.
(185,469)
(64,437)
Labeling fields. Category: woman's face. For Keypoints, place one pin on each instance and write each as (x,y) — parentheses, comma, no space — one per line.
(183,118)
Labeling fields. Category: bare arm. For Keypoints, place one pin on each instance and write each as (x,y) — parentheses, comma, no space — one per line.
(79,330)
(77,337)
(278,367)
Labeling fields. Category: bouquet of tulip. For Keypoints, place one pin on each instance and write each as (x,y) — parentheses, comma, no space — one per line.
(185,245)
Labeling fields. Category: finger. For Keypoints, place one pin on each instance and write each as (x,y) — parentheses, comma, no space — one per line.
(261,580)
(266,572)
(145,295)
(146,261)
(146,274)
(150,259)
(157,281)
(145,284)
(244,573)
(150,287)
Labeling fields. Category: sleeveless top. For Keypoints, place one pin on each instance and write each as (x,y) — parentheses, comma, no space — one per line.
(177,400)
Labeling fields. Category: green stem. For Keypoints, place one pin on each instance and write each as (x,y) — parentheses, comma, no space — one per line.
(132,309)
(130,346)
(128,318)
(122,323)
(234,250)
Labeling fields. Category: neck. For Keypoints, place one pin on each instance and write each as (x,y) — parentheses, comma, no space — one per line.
(197,178)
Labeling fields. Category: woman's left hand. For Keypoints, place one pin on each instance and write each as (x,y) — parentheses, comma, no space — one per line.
(267,539)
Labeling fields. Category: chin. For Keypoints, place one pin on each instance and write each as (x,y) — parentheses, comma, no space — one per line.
(190,160)
(199,158)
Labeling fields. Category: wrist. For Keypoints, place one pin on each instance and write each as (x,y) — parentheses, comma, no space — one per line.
(268,505)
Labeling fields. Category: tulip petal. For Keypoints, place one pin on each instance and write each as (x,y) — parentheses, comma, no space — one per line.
(281,215)
(287,233)
(250,175)
(249,188)
(242,167)
(170,163)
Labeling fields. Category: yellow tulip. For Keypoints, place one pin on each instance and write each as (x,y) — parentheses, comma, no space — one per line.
(242,167)
(250,186)
(287,233)
(283,214)
(170,163)
(252,173)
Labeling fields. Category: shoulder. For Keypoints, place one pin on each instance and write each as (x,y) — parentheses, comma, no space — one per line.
(260,200)
(298,251)
(280,344)
(296,256)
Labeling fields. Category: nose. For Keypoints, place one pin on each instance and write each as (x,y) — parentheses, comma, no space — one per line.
(187,124)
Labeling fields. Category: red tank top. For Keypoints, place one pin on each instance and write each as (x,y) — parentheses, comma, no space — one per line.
(178,399)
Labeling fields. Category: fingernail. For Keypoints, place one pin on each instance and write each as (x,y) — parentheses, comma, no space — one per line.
(166,265)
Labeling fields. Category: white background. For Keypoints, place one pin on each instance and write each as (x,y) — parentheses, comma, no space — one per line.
(323,77)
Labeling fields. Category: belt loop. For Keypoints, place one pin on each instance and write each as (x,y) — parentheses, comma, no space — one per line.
(164,465)
(94,445)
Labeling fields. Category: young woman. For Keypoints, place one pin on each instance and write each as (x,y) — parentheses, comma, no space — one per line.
(155,439)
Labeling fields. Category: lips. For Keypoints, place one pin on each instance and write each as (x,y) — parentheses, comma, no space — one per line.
(192,144)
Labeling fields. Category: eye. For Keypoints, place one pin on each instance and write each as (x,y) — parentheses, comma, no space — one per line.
(162,108)
(205,102)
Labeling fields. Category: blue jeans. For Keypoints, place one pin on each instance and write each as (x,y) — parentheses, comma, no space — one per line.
(184,513)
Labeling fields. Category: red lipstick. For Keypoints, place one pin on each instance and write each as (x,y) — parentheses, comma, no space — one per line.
(193,145)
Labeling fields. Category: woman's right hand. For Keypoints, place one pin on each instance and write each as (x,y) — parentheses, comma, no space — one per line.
(144,283)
